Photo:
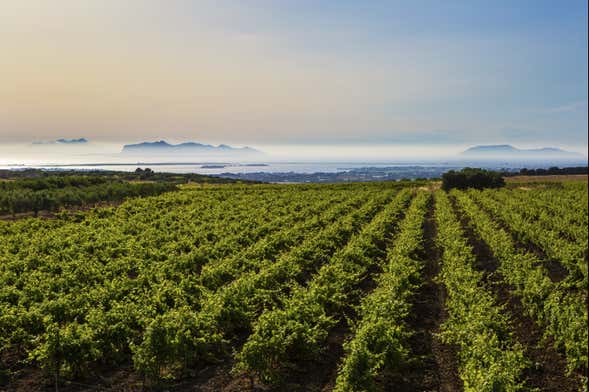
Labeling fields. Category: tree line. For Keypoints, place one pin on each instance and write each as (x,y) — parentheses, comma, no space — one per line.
(16,200)
(554,171)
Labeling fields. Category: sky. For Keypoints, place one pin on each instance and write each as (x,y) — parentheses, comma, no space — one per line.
(295,72)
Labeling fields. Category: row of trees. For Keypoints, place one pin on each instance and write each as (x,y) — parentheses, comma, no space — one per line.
(554,171)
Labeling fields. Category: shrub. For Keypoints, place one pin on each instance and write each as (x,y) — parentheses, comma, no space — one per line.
(472,178)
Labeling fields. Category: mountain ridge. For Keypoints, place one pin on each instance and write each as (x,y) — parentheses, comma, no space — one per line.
(187,147)
(507,150)
(81,140)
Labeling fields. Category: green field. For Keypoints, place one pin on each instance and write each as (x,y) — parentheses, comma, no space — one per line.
(395,286)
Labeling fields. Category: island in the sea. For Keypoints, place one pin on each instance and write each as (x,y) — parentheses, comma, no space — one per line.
(81,140)
(506,151)
(162,147)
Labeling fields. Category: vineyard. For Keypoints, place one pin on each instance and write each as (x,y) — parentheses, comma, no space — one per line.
(393,286)
(34,191)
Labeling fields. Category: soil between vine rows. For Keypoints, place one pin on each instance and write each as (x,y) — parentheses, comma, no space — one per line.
(547,370)
(436,367)
(554,268)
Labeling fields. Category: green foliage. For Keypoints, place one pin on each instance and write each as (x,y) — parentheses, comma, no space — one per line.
(35,190)
(53,193)
(547,231)
(489,360)
(298,329)
(171,283)
(562,311)
(124,285)
(554,171)
(472,178)
(380,336)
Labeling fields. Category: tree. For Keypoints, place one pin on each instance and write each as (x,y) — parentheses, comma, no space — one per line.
(472,178)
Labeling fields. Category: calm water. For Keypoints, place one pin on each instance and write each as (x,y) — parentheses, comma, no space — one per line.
(218,168)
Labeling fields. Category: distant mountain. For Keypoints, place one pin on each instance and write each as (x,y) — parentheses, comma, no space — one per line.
(508,151)
(81,140)
(164,148)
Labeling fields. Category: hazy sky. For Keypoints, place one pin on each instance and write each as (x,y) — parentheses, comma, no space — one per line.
(272,72)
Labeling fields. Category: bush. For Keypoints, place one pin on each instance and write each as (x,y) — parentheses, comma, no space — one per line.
(472,178)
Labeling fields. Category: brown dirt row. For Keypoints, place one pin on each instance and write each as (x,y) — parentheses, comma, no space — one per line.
(548,367)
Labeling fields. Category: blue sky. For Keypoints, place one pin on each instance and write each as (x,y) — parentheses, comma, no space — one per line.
(311,72)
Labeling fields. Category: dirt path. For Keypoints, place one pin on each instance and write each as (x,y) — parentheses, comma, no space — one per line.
(437,369)
(548,367)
